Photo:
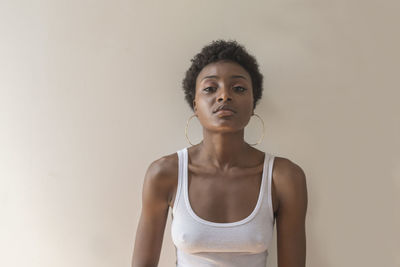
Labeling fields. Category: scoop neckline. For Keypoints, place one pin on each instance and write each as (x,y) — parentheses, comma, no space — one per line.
(217,224)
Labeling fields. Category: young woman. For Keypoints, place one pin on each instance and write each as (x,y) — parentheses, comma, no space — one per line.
(225,195)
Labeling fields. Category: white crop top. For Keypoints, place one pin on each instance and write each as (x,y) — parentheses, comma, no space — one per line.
(201,243)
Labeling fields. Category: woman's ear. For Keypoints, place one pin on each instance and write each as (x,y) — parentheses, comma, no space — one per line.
(194,105)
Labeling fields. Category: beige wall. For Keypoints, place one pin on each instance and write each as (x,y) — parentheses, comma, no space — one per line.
(90,94)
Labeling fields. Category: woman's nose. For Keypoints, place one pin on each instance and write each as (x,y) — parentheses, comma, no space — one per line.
(224,94)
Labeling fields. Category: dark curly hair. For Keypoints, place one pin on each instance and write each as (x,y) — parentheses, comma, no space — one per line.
(219,50)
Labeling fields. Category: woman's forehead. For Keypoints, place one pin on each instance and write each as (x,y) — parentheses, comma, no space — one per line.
(222,68)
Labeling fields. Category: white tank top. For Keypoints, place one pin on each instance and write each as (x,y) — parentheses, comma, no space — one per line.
(201,243)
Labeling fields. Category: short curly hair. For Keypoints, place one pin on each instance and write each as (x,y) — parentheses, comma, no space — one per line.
(219,50)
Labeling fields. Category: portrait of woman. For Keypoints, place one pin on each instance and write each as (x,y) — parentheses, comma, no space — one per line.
(225,195)
(199,134)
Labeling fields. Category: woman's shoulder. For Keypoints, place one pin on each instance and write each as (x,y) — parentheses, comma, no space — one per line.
(282,167)
(286,167)
(162,173)
(165,167)
(289,179)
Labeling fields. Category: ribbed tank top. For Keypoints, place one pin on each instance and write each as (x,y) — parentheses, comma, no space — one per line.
(201,243)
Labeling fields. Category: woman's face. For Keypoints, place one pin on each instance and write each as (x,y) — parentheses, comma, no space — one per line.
(223,82)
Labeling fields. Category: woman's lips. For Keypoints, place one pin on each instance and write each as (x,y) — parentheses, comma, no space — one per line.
(224,112)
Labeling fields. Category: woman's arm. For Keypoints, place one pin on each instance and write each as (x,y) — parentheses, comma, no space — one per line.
(154,214)
(292,193)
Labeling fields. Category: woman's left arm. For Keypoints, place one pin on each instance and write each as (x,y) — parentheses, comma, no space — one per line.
(291,188)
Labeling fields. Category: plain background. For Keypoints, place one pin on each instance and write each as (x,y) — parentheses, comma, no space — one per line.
(90,95)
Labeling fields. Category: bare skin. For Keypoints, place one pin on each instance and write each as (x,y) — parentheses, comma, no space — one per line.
(219,168)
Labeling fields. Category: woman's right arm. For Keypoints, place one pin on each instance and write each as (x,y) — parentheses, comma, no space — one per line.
(154,214)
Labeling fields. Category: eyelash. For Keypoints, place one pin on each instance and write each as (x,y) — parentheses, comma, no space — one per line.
(233,87)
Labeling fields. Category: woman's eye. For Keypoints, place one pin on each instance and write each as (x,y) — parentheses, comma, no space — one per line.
(207,89)
(211,89)
(242,89)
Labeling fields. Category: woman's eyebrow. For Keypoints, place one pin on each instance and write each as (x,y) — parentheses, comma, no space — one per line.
(215,76)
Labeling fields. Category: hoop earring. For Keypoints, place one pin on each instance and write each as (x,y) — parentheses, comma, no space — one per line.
(262,137)
(187,123)
(259,140)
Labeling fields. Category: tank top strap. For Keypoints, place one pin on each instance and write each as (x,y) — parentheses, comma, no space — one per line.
(271,159)
(181,166)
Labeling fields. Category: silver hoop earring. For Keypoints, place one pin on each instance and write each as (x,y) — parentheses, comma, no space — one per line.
(194,115)
(262,137)
(187,123)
